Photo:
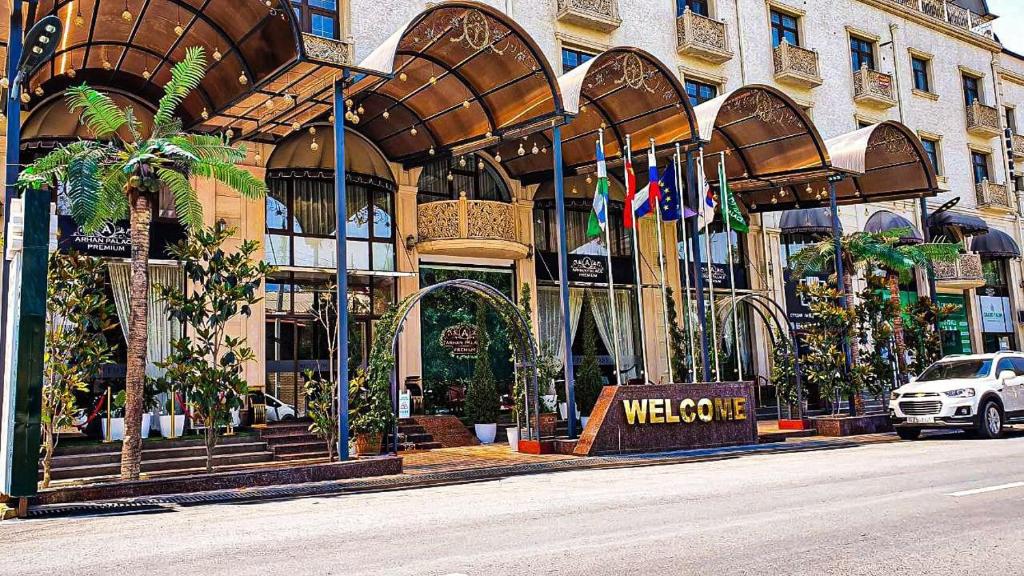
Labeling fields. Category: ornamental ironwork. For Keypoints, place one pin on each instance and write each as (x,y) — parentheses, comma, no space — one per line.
(982,119)
(327,50)
(992,195)
(796,63)
(763,106)
(702,37)
(873,87)
(601,15)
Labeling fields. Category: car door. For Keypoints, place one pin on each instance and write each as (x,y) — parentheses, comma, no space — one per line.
(1014,390)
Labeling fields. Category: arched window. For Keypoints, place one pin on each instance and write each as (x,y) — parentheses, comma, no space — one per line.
(447,178)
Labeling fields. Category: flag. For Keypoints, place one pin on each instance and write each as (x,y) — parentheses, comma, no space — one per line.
(654,191)
(627,215)
(642,202)
(672,207)
(599,216)
(730,208)
(707,213)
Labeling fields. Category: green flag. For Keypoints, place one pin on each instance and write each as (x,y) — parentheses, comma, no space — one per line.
(730,208)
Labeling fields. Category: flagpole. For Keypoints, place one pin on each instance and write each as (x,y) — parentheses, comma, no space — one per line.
(636,256)
(664,296)
(687,320)
(611,280)
(711,277)
(727,210)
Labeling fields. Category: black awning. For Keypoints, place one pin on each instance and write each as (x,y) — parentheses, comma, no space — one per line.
(807,221)
(996,244)
(968,224)
(884,220)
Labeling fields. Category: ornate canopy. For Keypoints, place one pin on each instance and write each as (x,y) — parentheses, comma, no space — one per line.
(807,221)
(297,156)
(51,122)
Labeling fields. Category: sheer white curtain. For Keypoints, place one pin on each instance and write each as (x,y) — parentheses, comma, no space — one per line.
(549,308)
(603,319)
(162,329)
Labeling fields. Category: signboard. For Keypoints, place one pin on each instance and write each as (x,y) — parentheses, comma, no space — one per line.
(798,304)
(956,332)
(586,268)
(113,240)
(460,340)
(995,314)
(655,418)
(720,275)
(404,405)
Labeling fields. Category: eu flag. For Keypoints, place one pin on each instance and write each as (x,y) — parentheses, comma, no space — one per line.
(671,207)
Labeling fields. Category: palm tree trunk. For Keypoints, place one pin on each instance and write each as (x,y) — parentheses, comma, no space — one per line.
(897,323)
(138,328)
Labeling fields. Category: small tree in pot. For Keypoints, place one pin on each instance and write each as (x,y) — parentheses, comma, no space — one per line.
(370,410)
(482,402)
(588,378)
(207,364)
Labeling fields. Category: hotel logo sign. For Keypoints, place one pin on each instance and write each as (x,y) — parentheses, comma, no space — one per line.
(585,268)
(460,340)
(685,411)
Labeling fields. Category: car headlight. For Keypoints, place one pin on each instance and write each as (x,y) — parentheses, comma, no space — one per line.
(894,395)
(961,393)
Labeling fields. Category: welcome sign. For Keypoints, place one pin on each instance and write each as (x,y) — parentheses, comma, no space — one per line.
(656,418)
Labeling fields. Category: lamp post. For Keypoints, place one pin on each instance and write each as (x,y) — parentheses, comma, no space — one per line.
(840,277)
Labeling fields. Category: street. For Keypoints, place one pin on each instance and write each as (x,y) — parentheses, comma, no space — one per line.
(946,505)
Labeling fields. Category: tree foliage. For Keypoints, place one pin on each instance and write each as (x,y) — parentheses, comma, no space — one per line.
(482,403)
(824,364)
(588,376)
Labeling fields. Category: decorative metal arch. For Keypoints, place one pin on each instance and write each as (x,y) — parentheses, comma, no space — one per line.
(523,343)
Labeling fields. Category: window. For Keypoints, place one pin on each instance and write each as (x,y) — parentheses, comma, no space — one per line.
(700,92)
(696,6)
(447,178)
(1011,119)
(971,91)
(784,27)
(577,215)
(572,58)
(979,163)
(931,148)
(318,17)
(920,66)
(862,53)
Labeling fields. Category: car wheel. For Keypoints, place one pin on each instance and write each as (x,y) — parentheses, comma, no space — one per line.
(288,417)
(908,433)
(990,420)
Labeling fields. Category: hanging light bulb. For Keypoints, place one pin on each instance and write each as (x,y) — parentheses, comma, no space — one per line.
(243,79)
(217,55)
(348,115)
(205,114)
(413,131)
(480,165)
(386,115)
(71,72)
(544,150)
(433,80)
(312,130)
(5,83)
(360,110)
(314,146)
(465,103)
(403,77)
(497,157)
(289,100)
(589,179)
(258,157)
(535,149)
(488,135)
(147,74)
(462,162)
(230,134)
(25,98)
(522,151)
(178,30)
(126,16)
(349,103)
(782,192)
(451,177)
(296,126)
(107,65)
(331,118)
(431,151)
(269,104)
(753,206)
(355,119)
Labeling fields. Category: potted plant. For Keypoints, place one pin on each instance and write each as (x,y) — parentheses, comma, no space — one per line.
(172,426)
(588,378)
(113,428)
(482,402)
(370,413)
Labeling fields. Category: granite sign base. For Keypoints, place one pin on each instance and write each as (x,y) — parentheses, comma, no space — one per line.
(658,418)
(838,426)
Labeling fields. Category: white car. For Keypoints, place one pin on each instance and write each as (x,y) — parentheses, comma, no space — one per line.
(277,410)
(979,393)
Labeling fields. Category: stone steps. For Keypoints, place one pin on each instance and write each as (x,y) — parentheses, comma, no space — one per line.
(159,464)
(100,458)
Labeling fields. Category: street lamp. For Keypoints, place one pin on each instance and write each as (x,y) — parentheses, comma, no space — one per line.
(40,44)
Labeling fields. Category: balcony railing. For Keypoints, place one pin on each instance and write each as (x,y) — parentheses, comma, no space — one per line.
(463,227)
(964,273)
(702,37)
(1018,145)
(600,15)
(983,120)
(995,196)
(950,13)
(327,50)
(873,88)
(796,65)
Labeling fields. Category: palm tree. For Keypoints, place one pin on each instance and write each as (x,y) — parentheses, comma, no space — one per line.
(120,173)
(871,250)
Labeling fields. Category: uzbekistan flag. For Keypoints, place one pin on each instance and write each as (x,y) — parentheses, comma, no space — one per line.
(599,216)
(627,215)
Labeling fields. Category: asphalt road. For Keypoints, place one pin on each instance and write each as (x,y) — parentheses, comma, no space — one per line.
(939,506)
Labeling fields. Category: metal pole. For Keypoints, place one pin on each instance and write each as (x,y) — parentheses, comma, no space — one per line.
(840,274)
(13,153)
(341,263)
(636,259)
(687,319)
(711,275)
(611,285)
(664,295)
(563,281)
(732,273)
(698,280)
(929,271)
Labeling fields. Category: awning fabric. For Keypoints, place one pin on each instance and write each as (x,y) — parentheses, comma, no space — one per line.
(884,220)
(807,221)
(968,224)
(296,153)
(995,244)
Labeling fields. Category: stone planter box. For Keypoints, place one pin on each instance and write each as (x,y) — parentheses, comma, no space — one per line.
(836,426)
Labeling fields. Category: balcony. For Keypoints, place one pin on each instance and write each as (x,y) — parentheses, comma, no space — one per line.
(963,274)
(702,37)
(994,196)
(602,15)
(796,65)
(327,50)
(1018,145)
(983,120)
(951,14)
(873,88)
(476,228)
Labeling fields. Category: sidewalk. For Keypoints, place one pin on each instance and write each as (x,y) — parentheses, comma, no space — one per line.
(448,466)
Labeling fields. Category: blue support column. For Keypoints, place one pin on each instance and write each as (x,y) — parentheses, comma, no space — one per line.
(341,212)
(563,280)
(698,277)
(840,275)
(13,159)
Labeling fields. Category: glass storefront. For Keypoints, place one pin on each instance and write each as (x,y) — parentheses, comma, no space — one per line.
(955,329)
(994,307)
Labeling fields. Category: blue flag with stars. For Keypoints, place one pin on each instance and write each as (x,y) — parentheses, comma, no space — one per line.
(671,205)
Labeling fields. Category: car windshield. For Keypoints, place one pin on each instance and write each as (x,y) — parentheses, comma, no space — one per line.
(962,369)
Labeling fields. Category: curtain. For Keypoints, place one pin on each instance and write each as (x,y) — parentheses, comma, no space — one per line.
(603,319)
(549,309)
(162,329)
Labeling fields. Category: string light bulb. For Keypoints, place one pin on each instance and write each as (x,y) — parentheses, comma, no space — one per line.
(386,115)
(217,55)
(462,162)
(205,114)
(413,131)
(360,110)
(535,149)
(178,30)
(230,134)
(403,77)
(147,74)
(451,177)
(126,16)
(521,151)
(243,79)
(497,157)
(431,151)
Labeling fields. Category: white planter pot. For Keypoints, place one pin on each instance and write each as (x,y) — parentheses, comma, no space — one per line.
(147,421)
(165,425)
(584,420)
(116,428)
(563,410)
(548,400)
(486,432)
(513,438)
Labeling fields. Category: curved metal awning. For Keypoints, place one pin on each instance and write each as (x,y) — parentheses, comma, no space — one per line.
(807,221)
(625,91)
(577,186)
(885,220)
(967,224)
(995,244)
(297,155)
(52,122)
(459,77)
(768,141)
